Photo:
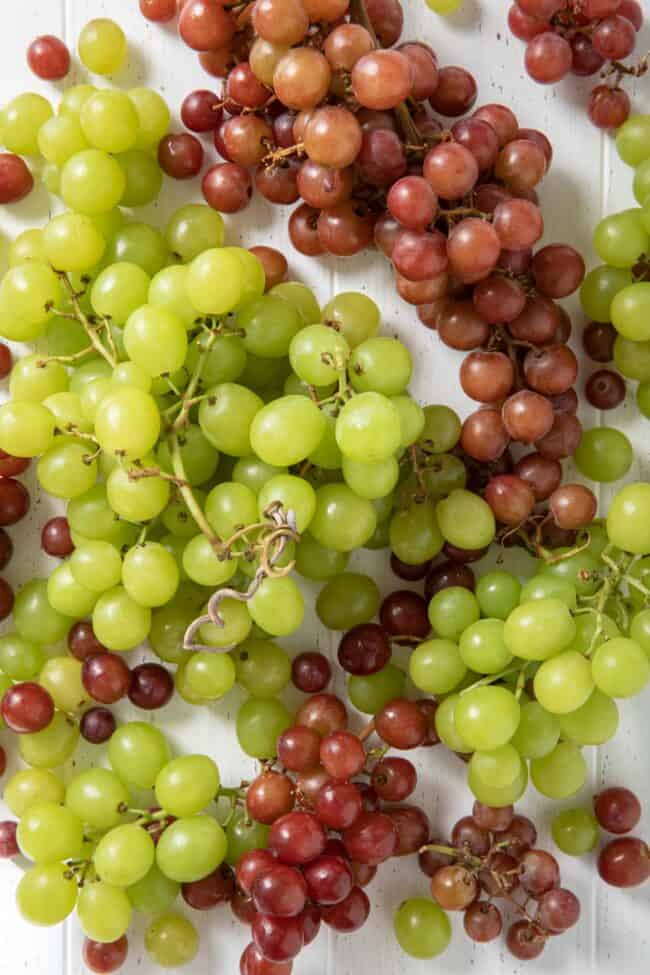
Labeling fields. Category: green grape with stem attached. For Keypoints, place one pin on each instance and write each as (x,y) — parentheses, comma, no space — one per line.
(200,459)
(262,667)
(259,724)
(137,499)
(590,633)
(371,693)
(229,506)
(187,784)
(203,565)
(104,911)
(452,611)
(46,894)
(538,732)
(582,569)
(293,493)
(575,831)
(171,940)
(34,379)
(592,724)
(137,752)
(436,666)
(191,848)
(66,470)
(244,834)
(154,894)
(67,410)
(98,797)
(355,315)
(32,786)
(61,678)
(380,365)
(347,600)
(128,422)
(317,354)
(53,745)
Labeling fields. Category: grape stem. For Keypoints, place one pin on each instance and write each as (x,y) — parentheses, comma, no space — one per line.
(90,330)
(367,731)
(492,678)
(137,473)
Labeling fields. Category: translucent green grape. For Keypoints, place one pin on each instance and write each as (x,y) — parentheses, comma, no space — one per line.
(498,768)
(139,499)
(203,565)
(171,940)
(156,340)
(48,833)
(487,717)
(67,596)
(498,593)
(633,140)
(575,831)
(538,629)
(153,117)
(98,797)
(342,520)
(482,646)
(191,848)
(620,239)
(315,561)
(466,520)
(150,574)
(356,315)
(592,724)
(317,354)
(368,428)
(226,417)
(561,773)
(411,416)
(262,667)
(33,380)
(104,911)
(97,565)
(187,784)
(67,411)
(498,796)
(301,297)
(154,894)
(620,668)
(138,243)
(381,365)
(370,694)
(46,894)
(20,659)
(28,787)
(259,724)
(278,606)
(436,666)
(92,182)
(628,519)
(230,506)
(564,683)
(270,324)
(639,632)
(102,46)
(143,177)
(244,834)
(27,246)
(137,752)
(167,290)
(538,732)
(237,624)
(61,678)
(415,535)
(119,622)
(422,928)
(582,569)
(293,493)
(287,430)
(34,618)
(347,600)
(215,281)
(199,457)
(124,855)
(22,119)
(453,610)
(371,481)
(119,290)
(210,675)
(53,745)
(193,229)
(66,470)
(599,288)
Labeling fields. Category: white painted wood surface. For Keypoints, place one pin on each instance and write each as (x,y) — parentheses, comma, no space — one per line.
(586,179)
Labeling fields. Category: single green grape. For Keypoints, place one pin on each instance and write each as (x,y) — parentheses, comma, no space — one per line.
(441,429)
(575,831)
(22,119)
(66,470)
(497,768)
(262,667)
(620,239)
(33,380)
(168,626)
(301,297)
(48,833)
(633,140)
(254,473)
(380,365)
(191,848)
(171,940)
(498,593)
(545,586)
(187,784)
(46,894)
(92,182)
(628,519)
(118,291)
(226,416)
(278,606)
(368,428)
(203,565)
(97,565)
(102,46)
(561,773)
(371,693)
(154,894)
(215,281)
(582,569)
(599,288)
(26,429)
(604,454)
(119,622)
(229,506)
(293,493)
(199,458)
(270,324)
(482,646)
(422,928)
(124,855)
(259,724)
(620,668)
(143,177)
(210,675)
(639,632)
(137,752)
(67,410)
(498,796)
(27,246)
(237,624)
(244,834)
(453,610)
(317,562)
(564,683)
(415,535)
(150,574)
(34,618)
(136,499)
(538,732)
(317,354)
(53,745)
(67,596)
(61,678)
(632,359)
(347,600)
(592,724)
(153,117)
(156,340)
(168,290)
(287,430)
(436,666)
(356,316)
(538,629)
(32,786)
(72,242)
(487,717)
(342,520)
(466,520)
(138,243)
(193,229)
(104,911)
(98,797)
(20,659)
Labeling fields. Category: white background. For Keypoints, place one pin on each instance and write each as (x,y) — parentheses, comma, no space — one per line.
(586,179)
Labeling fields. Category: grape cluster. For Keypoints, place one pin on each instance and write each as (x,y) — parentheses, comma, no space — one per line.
(492,856)
(582,37)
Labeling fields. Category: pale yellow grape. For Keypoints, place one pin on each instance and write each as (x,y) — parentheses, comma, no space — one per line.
(30,786)
(26,429)
(215,282)
(28,292)
(171,940)
(61,677)
(128,422)
(48,832)
(168,290)
(109,121)
(97,565)
(92,182)
(137,500)
(73,243)
(67,596)
(119,290)
(92,395)
(119,622)
(153,117)
(22,118)
(60,137)
(150,574)
(156,340)
(193,229)
(128,374)
(104,912)
(102,46)
(53,745)
(46,894)
(287,430)
(237,625)
(74,98)
(202,564)
(226,415)
(27,246)
(278,606)
(33,378)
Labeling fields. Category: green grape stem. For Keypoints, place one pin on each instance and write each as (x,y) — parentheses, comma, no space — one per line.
(91,330)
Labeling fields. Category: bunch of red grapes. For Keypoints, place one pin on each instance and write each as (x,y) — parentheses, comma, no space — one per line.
(491,856)
(582,37)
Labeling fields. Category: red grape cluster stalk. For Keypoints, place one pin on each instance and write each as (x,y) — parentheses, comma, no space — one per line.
(492,856)
(584,38)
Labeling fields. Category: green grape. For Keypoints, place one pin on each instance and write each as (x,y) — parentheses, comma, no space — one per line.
(487,717)
(108,225)
(168,626)
(119,622)
(371,481)
(61,678)
(34,618)
(342,521)
(167,290)
(53,745)
(599,288)
(436,666)
(278,606)
(97,565)
(561,773)
(380,365)
(171,940)
(203,565)
(124,855)
(619,240)
(128,374)
(370,694)
(356,315)
(254,473)
(67,596)
(104,911)
(27,246)
(414,533)
(538,629)
(639,632)
(628,519)
(150,574)
(244,834)
(127,423)
(215,281)
(443,474)
(102,46)
(186,785)
(422,928)
(641,184)
(67,411)
(91,397)
(269,324)
(60,137)
(317,354)
(575,831)
(444,7)
(142,173)
(33,380)
(411,417)
(178,519)
(632,359)
(191,848)
(620,668)
(229,506)
(262,667)
(72,242)
(138,243)
(286,431)
(644,214)
(20,659)
(259,724)
(254,282)
(347,600)
(225,358)
(92,182)
(153,117)
(453,610)
(155,340)
(498,768)
(564,682)
(210,675)
(592,724)
(265,375)
(538,732)
(187,693)
(48,833)
(581,569)
(46,894)
(94,368)
(545,586)
(482,645)
(90,515)
(466,520)
(604,454)
(66,471)
(327,456)
(137,752)
(498,593)
(237,624)
(32,786)
(200,459)
(154,894)
(22,119)
(629,311)
(368,428)
(293,493)
(226,417)
(73,99)
(98,798)
(633,140)
(498,796)
(301,297)
(28,293)
(315,561)
(119,290)
(586,632)
(441,429)
(196,228)
(136,500)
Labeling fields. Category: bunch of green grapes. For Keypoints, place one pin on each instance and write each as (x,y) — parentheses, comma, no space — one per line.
(527,675)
